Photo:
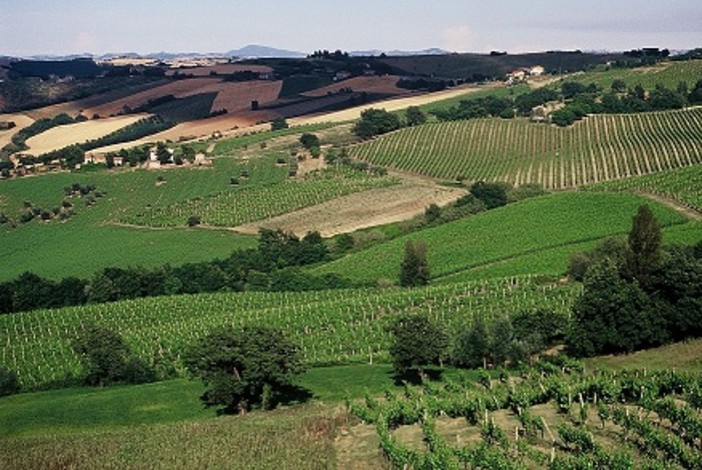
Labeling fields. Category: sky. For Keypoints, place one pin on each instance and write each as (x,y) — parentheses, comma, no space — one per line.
(59,27)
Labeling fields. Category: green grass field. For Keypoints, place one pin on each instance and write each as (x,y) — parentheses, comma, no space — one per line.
(90,241)
(600,148)
(554,226)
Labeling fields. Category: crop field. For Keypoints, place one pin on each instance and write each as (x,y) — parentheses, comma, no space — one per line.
(63,136)
(683,185)
(386,84)
(331,327)
(550,417)
(231,95)
(600,148)
(529,227)
(380,206)
(235,207)
(669,74)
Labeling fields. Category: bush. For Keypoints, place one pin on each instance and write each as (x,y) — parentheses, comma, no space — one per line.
(416,343)
(108,359)
(194,220)
(492,194)
(9,383)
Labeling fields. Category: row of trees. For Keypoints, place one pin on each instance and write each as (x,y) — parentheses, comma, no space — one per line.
(418,342)
(274,266)
(580,99)
(375,122)
(584,99)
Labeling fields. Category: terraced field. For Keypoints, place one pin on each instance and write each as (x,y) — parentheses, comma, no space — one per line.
(331,327)
(601,148)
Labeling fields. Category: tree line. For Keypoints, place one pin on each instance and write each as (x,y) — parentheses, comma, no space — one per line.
(273,266)
(580,99)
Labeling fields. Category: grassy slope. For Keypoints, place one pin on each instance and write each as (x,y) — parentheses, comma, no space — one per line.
(88,241)
(561,222)
(148,424)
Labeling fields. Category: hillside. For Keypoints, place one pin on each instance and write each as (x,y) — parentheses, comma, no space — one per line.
(331,327)
(600,148)
(554,226)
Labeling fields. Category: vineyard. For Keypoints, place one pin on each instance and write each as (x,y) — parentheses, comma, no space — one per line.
(239,206)
(668,74)
(601,148)
(331,327)
(550,417)
(683,185)
(543,231)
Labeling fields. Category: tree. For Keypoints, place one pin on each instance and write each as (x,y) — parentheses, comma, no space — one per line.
(375,122)
(278,124)
(432,213)
(9,383)
(472,346)
(309,140)
(162,153)
(613,315)
(243,369)
(492,194)
(414,116)
(644,254)
(414,270)
(416,343)
(618,86)
(108,359)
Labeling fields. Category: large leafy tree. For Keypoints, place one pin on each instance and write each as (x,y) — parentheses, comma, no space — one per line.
(244,368)
(375,122)
(416,343)
(613,315)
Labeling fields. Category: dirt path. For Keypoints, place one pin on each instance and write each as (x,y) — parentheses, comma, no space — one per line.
(677,206)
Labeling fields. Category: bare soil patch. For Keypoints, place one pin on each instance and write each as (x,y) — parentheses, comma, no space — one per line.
(21,121)
(233,96)
(62,136)
(386,84)
(361,210)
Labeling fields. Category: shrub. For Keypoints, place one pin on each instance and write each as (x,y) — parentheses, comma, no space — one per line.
(9,383)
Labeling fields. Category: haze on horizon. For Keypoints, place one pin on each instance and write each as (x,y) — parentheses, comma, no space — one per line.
(49,27)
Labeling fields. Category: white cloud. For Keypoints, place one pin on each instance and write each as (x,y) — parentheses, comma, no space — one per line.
(459,39)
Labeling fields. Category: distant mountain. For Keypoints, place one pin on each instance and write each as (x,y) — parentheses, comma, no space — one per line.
(265,52)
(396,53)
